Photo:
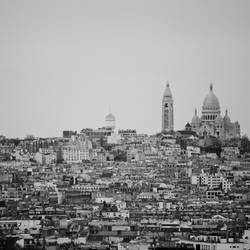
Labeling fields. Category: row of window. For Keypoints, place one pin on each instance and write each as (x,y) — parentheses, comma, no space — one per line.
(209,117)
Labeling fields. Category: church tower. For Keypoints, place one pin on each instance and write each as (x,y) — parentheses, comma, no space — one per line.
(167,110)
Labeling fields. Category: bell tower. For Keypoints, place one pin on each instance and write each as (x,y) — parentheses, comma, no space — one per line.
(167,110)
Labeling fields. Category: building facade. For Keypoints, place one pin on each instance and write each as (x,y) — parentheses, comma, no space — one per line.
(167,110)
(211,122)
(77,151)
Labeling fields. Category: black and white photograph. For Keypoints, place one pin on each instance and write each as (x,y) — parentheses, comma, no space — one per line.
(124,124)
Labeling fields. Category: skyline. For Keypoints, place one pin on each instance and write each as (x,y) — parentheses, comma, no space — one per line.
(64,65)
(103,123)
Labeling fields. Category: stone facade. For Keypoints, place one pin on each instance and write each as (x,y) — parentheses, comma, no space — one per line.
(212,123)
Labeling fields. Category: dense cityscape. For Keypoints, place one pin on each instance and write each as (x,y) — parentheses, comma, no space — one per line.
(110,188)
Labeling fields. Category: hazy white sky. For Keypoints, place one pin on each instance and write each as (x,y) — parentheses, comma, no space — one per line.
(64,63)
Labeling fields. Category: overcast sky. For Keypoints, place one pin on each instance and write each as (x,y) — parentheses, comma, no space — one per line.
(64,63)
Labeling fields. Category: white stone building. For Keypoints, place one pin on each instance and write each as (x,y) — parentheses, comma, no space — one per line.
(211,122)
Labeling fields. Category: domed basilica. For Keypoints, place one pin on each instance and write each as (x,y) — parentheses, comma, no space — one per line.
(211,122)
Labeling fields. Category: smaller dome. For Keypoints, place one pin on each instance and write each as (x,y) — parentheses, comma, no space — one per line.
(110,117)
(211,102)
(226,117)
(195,119)
(167,92)
(219,119)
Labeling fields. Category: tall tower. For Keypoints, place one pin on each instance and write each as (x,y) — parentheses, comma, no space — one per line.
(167,110)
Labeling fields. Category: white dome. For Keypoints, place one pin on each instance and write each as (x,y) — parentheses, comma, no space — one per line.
(110,121)
(211,102)
(110,117)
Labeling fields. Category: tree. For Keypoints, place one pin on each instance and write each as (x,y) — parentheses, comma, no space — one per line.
(244,145)
(120,155)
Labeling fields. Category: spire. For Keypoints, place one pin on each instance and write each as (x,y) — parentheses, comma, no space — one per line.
(227,118)
(211,86)
(195,112)
(168,85)
(167,92)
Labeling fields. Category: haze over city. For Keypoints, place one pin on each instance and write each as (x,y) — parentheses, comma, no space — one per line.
(65,65)
(124,125)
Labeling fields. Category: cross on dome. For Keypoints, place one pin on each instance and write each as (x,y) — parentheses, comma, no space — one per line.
(211,86)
